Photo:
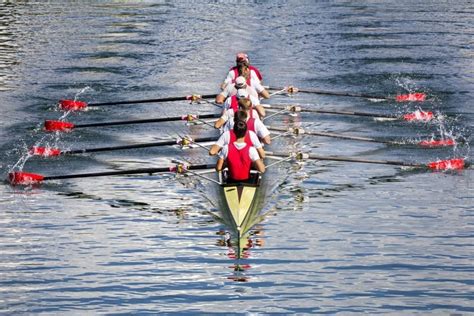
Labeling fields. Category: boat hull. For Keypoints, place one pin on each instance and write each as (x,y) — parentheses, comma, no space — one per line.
(240,207)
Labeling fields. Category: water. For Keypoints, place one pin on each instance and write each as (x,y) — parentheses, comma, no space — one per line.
(337,238)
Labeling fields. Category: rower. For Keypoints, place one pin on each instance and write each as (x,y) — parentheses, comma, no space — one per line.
(239,156)
(249,115)
(233,72)
(232,102)
(244,71)
(240,83)
(229,136)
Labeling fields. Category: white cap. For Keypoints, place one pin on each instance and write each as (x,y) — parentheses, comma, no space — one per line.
(240,82)
(242,93)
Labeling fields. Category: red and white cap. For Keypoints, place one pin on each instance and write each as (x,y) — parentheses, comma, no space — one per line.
(242,57)
(240,82)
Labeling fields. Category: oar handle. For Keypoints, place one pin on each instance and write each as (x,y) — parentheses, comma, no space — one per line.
(167,99)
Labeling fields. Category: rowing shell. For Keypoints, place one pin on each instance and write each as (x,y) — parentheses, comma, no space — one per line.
(240,207)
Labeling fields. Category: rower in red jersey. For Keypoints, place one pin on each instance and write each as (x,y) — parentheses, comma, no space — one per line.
(239,156)
(233,72)
(254,123)
(229,136)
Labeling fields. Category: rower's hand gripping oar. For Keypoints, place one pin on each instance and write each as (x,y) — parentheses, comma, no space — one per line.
(448,164)
(76,105)
(62,126)
(410,97)
(27,178)
(425,143)
(414,116)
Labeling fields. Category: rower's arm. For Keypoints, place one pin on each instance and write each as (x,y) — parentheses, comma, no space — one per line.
(214,150)
(266,140)
(220,164)
(261,152)
(260,110)
(259,165)
(220,98)
(264,94)
(218,124)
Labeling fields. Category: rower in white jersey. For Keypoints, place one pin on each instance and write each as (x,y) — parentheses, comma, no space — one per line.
(253,121)
(229,95)
(233,72)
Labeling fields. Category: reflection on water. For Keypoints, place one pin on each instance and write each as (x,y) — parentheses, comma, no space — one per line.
(8,46)
(240,251)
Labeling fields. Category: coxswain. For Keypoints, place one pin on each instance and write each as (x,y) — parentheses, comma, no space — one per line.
(239,156)
(229,136)
(248,114)
(233,72)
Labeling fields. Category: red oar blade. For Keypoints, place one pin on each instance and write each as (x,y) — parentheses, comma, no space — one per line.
(437,143)
(24,178)
(72,105)
(57,126)
(418,116)
(449,164)
(411,97)
(44,151)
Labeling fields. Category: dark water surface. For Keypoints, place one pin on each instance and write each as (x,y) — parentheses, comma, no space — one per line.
(338,237)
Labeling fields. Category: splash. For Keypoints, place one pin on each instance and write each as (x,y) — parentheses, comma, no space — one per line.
(76,97)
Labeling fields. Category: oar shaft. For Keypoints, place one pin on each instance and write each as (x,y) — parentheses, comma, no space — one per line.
(360,160)
(134,146)
(291,107)
(168,99)
(350,159)
(348,113)
(125,172)
(143,121)
(327,134)
(338,93)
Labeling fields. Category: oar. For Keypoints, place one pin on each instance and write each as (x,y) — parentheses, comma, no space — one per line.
(424,143)
(49,152)
(26,178)
(449,164)
(76,105)
(54,126)
(414,116)
(418,96)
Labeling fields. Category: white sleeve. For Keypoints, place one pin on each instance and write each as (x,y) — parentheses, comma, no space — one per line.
(254,77)
(224,152)
(257,86)
(230,77)
(227,115)
(255,114)
(228,126)
(260,128)
(227,92)
(255,100)
(255,141)
(223,140)
(226,104)
(252,153)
